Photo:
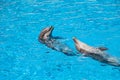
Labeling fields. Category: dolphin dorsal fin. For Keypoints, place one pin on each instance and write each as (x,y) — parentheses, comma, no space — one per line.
(102,48)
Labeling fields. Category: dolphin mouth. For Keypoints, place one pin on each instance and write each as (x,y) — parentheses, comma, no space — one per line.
(74,39)
(51,28)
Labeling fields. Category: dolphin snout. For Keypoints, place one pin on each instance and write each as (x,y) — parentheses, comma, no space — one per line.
(51,28)
(75,39)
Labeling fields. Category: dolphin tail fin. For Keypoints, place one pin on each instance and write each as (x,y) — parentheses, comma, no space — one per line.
(102,48)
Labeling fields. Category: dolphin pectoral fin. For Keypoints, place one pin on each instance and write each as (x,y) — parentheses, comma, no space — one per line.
(103,64)
(57,37)
(102,48)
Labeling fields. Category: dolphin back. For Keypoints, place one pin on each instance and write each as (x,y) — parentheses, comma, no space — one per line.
(58,46)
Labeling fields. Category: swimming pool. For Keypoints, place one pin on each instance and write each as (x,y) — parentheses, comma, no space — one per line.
(22,57)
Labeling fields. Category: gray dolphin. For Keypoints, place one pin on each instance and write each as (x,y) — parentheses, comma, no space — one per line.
(46,38)
(96,53)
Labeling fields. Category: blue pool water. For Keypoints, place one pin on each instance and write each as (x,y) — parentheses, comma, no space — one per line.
(22,57)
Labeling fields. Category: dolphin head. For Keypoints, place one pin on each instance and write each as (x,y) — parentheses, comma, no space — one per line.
(46,34)
(79,45)
(76,41)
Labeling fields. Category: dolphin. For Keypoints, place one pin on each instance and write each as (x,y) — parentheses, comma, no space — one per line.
(46,38)
(96,53)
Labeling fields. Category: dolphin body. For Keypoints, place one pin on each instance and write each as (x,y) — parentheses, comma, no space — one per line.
(96,53)
(46,38)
